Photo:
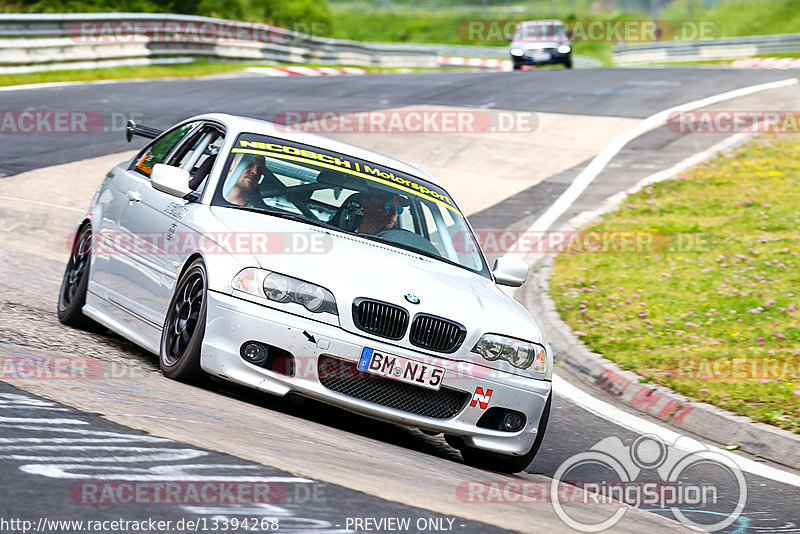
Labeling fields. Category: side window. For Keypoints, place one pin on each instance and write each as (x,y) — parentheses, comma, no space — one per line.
(203,145)
(158,151)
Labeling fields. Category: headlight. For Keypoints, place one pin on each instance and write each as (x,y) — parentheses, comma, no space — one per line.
(517,51)
(276,287)
(520,354)
(285,289)
(563,49)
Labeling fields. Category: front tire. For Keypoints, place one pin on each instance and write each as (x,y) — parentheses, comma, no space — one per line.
(185,326)
(72,295)
(504,463)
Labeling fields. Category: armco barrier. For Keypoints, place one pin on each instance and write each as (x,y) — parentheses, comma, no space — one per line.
(707,50)
(38,42)
(46,41)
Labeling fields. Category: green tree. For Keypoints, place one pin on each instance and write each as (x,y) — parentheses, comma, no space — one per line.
(305,16)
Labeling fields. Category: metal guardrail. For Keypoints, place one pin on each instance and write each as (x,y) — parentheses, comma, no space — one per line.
(47,41)
(493,52)
(707,50)
(37,42)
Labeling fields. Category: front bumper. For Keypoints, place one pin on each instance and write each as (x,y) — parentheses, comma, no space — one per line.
(553,59)
(232,321)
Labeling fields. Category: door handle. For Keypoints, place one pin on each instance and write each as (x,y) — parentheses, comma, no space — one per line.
(134,196)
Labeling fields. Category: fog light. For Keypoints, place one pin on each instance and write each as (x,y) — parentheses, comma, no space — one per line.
(513,421)
(254,352)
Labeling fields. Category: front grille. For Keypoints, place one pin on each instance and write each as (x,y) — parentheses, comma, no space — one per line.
(380,318)
(344,377)
(434,333)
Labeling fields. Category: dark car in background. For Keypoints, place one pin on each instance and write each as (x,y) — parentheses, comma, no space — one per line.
(541,42)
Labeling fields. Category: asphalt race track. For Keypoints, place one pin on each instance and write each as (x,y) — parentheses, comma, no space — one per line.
(323,465)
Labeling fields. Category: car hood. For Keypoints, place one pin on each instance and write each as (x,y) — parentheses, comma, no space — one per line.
(352,267)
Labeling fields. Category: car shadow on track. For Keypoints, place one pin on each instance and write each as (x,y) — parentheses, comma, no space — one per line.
(325,414)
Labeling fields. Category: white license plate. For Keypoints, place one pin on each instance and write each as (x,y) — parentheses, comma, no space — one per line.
(400,368)
(541,56)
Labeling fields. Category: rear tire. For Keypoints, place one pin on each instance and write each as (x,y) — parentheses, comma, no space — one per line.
(72,295)
(504,463)
(185,326)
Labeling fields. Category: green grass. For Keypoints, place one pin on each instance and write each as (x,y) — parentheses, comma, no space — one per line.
(404,24)
(711,305)
(447,26)
(180,70)
(737,18)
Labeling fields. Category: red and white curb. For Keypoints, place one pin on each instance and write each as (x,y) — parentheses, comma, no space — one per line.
(768,63)
(307,71)
(497,64)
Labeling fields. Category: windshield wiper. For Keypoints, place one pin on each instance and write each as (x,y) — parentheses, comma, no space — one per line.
(404,247)
(417,251)
(290,216)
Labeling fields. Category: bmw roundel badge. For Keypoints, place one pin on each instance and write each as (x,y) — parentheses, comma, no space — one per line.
(413,299)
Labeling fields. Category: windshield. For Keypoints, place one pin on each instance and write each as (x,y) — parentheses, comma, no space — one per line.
(539,31)
(349,194)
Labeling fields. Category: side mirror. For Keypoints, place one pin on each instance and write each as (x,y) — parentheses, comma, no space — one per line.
(510,272)
(170,180)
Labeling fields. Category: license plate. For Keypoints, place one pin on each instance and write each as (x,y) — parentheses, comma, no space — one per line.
(400,368)
(541,56)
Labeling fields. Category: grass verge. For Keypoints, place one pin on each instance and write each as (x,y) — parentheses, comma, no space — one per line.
(706,299)
(179,70)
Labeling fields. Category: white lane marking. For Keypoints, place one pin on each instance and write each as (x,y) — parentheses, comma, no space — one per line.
(161,473)
(50,85)
(137,454)
(20,407)
(40,203)
(636,424)
(268,71)
(122,439)
(45,421)
(600,161)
